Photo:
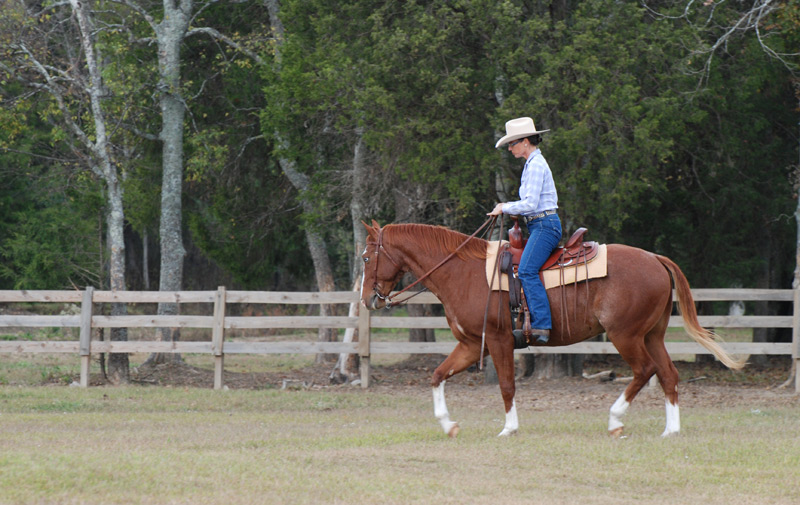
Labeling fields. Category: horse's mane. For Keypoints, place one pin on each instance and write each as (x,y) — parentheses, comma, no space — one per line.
(437,240)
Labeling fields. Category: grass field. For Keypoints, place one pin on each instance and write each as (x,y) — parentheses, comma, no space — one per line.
(141,445)
(176,445)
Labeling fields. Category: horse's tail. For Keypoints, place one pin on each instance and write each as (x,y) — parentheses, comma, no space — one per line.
(702,336)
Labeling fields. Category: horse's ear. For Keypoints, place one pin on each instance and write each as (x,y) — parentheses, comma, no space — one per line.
(372,232)
(376,225)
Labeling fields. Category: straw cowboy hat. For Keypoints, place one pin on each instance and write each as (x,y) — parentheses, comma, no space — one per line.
(519,128)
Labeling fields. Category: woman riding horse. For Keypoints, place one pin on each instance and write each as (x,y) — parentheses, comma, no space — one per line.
(632,304)
(537,207)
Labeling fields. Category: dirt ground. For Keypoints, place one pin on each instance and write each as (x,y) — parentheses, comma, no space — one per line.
(701,385)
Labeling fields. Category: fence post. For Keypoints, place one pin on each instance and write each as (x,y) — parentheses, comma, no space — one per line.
(218,336)
(364,317)
(796,339)
(85,344)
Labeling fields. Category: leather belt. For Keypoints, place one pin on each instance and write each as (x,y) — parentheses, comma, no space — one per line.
(540,215)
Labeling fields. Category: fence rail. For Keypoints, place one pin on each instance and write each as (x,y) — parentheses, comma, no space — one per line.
(219,322)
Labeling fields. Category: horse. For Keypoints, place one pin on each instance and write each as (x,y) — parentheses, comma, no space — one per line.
(632,304)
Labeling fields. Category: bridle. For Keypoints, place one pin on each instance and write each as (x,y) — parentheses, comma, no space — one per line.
(378,248)
(390,299)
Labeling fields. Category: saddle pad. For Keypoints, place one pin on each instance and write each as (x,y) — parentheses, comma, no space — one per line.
(597,267)
(491,259)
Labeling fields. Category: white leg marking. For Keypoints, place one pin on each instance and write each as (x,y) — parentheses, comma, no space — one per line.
(440,411)
(618,410)
(512,423)
(673,420)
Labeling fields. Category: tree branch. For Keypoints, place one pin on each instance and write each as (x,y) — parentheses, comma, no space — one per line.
(751,19)
(227,40)
(58,94)
(139,10)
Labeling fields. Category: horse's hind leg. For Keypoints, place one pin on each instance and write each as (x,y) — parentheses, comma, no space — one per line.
(635,354)
(668,377)
(462,357)
(647,357)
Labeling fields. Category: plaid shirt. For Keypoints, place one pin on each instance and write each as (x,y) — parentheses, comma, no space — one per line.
(537,190)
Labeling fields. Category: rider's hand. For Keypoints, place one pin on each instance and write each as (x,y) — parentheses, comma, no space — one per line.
(498,209)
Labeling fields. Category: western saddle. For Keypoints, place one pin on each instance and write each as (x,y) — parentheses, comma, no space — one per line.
(574,252)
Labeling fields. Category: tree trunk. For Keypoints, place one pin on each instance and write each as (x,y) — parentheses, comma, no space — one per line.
(554,366)
(421,334)
(318,250)
(118,366)
(170,33)
(407,209)
(324,275)
(348,364)
(118,363)
(316,242)
(358,204)
(146,260)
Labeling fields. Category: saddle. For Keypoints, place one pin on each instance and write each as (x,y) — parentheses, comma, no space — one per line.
(574,252)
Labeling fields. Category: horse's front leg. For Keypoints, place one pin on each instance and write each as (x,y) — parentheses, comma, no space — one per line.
(440,411)
(501,348)
(462,357)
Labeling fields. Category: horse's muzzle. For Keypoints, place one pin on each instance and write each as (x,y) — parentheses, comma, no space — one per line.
(376,302)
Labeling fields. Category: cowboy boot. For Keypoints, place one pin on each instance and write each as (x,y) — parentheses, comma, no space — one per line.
(542,336)
(521,338)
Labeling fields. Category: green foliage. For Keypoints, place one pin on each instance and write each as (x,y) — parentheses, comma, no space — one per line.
(731,187)
(240,210)
(247,234)
(409,79)
(53,246)
(645,150)
(49,216)
(601,80)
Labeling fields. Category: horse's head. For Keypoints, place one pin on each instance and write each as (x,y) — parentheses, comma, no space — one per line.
(382,270)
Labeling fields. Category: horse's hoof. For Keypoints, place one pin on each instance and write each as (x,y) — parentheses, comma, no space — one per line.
(669,434)
(507,433)
(453,433)
(615,433)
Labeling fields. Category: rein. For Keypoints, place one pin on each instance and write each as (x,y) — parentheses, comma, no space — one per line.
(495,271)
(389,299)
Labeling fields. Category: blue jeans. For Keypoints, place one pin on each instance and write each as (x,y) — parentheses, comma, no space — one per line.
(544,236)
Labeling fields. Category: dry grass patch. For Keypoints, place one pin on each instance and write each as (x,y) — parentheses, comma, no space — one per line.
(174,445)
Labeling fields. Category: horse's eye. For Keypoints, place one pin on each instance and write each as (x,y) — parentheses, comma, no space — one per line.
(366,260)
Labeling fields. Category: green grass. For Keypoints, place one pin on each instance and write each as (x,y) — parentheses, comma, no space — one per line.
(167,445)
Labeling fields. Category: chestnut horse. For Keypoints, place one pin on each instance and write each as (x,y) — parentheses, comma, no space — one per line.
(632,305)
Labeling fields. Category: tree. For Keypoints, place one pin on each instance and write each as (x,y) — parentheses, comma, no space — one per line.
(170,25)
(68,68)
(371,88)
(731,37)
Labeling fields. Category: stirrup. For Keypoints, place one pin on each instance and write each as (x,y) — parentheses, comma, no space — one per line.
(520,340)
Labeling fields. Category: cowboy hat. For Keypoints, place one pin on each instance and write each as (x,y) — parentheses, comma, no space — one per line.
(518,128)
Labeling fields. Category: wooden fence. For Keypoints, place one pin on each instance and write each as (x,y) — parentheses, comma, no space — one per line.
(220,322)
